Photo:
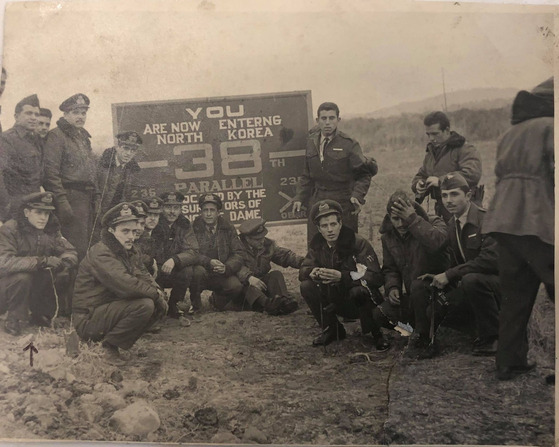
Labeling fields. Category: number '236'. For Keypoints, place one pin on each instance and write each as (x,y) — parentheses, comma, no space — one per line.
(227,159)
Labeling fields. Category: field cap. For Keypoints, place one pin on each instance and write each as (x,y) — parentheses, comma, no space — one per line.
(454,180)
(77,101)
(39,201)
(131,138)
(253,228)
(324,208)
(155,205)
(141,208)
(123,212)
(210,198)
(172,198)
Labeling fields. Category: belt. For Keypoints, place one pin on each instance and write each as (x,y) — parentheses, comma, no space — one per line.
(78,186)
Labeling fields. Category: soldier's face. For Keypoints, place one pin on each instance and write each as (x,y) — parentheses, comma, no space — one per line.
(256,242)
(125,233)
(27,117)
(125,152)
(37,218)
(76,117)
(398,223)
(436,135)
(141,225)
(329,227)
(152,220)
(328,122)
(171,212)
(43,126)
(456,200)
(210,213)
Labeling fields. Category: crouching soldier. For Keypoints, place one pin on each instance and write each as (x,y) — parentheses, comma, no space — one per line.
(147,245)
(115,298)
(34,259)
(264,288)
(412,245)
(220,257)
(471,284)
(339,276)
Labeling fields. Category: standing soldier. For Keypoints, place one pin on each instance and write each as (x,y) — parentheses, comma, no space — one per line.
(70,172)
(43,124)
(21,156)
(177,250)
(335,168)
(34,258)
(521,217)
(447,152)
(220,257)
(264,288)
(339,276)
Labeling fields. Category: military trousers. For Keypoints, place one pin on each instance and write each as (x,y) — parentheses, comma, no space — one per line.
(524,263)
(227,289)
(255,298)
(119,323)
(326,302)
(78,227)
(178,281)
(388,315)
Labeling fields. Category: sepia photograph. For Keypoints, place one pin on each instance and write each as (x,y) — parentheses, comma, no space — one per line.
(282,222)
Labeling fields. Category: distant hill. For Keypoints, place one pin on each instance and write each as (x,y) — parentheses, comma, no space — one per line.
(473,99)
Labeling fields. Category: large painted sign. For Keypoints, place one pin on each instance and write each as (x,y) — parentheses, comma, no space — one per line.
(247,149)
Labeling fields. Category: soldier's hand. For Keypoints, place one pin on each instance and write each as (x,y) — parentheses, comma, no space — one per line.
(432,181)
(54,263)
(426,277)
(440,281)
(296,206)
(420,187)
(330,275)
(394,297)
(217,266)
(314,274)
(258,283)
(402,209)
(168,266)
(357,205)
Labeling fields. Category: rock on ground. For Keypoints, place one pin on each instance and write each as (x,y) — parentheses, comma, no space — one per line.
(137,419)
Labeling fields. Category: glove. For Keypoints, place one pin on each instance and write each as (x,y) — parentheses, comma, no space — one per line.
(53,263)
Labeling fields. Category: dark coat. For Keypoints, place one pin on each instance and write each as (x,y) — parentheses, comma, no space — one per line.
(21,164)
(419,252)
(343,173)
(229,247)
(480,250)
(175,241)
(68,160)
(456,155)
(110,273)
(116,182)
(147,247)
(23,247)
(524,200)
(259,263)
(349,250)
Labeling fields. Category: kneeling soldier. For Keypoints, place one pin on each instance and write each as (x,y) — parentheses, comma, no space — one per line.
(34,258)
(115,298)
(220,257)
(265,289)
(339,276)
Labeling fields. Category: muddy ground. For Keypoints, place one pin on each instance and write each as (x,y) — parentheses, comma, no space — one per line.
(249,377)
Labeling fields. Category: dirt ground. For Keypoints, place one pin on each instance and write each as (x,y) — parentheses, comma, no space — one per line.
(248,377)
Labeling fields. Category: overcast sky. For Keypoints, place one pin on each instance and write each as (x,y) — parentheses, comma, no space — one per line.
(362,59)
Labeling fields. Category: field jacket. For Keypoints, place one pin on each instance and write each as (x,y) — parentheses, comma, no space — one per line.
(350,249)
(258,263)
(23,248)
(421,250)
(176,241)
(110,273)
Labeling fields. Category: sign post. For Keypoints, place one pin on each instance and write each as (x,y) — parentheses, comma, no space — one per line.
(247,149)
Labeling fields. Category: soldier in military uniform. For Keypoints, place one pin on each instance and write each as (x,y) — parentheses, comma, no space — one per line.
(177,250)
(472,281)
(220,257)
(43,123)
(70,172)
(264,288)
(335,168)
(34,258)
(115,299)
(21,157)
(145,242)
(339,276)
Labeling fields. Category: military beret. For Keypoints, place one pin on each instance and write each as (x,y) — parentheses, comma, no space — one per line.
(210,198)
(77,101)
(324,208)
(39,201)
(172,198)
(123,212)
(32,101)
(253,227)
(154,205)
(45,112)
(454,180)
(129,137)
(141,208)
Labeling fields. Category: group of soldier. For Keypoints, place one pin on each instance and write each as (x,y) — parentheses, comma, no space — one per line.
(72,242)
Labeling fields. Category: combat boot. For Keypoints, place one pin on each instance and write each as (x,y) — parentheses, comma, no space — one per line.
(280,305)
(336,332)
